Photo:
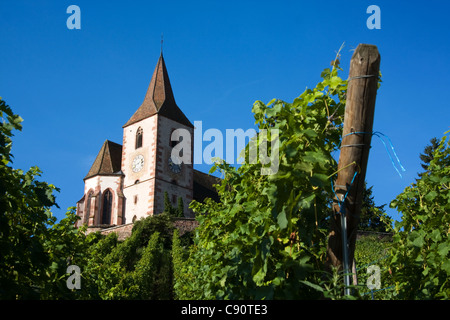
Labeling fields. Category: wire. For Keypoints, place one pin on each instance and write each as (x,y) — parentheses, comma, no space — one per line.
(342,202)
(380,135)
(362,77)
(377,134)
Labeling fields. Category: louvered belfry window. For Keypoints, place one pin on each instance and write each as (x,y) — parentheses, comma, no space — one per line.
(107,207)
(139,134)
(88,207)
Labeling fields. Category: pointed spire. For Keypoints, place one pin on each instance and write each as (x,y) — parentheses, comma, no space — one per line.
(108,160)
(159,98)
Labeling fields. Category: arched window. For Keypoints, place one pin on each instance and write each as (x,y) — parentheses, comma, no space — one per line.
(139,134)
(107,207)
(87,212)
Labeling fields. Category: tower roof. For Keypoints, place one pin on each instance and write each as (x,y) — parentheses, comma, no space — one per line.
(108,161)
(159,99)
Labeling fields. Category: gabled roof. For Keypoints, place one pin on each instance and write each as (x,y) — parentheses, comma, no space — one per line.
(159,99)
(108,161)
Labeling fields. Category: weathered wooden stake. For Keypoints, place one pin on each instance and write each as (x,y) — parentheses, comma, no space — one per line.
(355,145)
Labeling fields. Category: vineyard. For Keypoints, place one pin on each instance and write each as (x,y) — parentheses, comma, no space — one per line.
(267,238)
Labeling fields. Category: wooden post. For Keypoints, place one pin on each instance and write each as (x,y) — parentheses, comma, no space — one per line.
(355,145)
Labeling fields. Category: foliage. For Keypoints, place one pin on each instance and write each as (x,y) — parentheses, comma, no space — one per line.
(372,250)
(138,268)
(179,256)
(168,208)
(420,259)
(427,154)
(263,240)
(167,205)
(373,217)
(34,250)
(180,208)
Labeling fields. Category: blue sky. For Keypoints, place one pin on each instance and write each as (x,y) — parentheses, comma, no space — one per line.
(76,88)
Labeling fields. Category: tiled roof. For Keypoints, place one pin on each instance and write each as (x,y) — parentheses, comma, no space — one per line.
(159,99)
(108,161)
(204,186)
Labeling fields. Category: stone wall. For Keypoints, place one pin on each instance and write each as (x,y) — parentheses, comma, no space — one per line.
(124,231)
(185,225)
(189,224)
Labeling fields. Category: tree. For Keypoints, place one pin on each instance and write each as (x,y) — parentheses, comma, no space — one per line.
(138,268)
(428,152)
(373,217)
(34,250)
(420,255)
(167,205)
(180,208)
(168,208)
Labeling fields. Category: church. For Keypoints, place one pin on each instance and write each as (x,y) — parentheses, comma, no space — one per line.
(130,181)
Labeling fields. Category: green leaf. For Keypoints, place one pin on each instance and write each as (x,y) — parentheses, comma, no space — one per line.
(418,241)
(325,73)
(431,195)
(307,202)
(316,157)
(270,102)
(319,180)
(259,269)
(304,166)
(443,249)
(310,133)
(223,281)
(393,204)
(282,220)
(291,150)
(436,235)
(54,266)
(335,81)
(312,285)
(446,266)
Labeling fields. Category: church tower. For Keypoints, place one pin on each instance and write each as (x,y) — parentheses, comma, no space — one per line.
(129,181)
(146,153)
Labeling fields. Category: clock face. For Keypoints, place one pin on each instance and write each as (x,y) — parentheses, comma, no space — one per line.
(138,163)
(175,166)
